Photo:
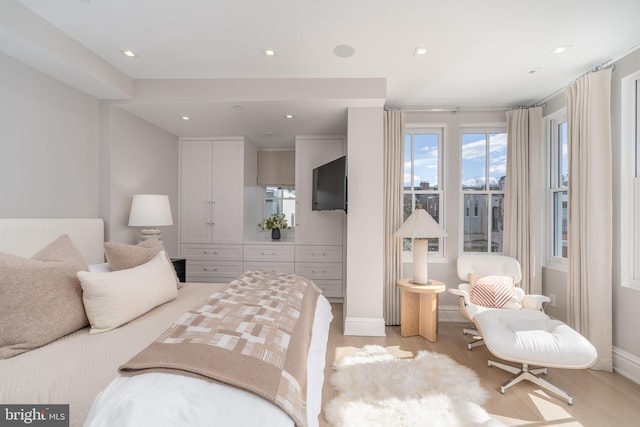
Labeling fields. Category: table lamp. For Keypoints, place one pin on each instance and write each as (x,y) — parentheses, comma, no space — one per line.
(420,226)
(150,211)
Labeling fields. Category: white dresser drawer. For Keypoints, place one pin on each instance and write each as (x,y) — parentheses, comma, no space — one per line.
(275,252)
(270,267)
(311,253)
(330,288)
(212,252)
(199,270)
(319,270)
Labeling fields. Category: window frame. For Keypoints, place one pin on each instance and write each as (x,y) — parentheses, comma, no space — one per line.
(487,129)
(553,187)
(438,256)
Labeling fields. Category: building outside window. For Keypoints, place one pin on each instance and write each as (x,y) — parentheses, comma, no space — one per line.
(484,166)
(279,200)
(422,186)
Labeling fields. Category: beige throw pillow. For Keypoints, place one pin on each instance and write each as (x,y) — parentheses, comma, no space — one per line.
(40,297)
(122,256)
(112,299)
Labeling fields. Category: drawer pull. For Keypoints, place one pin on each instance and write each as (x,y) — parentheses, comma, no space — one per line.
(318,254)
(320,271)
(212,253)
(265,253)
(210,269)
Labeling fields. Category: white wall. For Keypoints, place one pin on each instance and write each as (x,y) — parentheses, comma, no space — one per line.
(363,307)
(49,146)
(66,155)
(144,160)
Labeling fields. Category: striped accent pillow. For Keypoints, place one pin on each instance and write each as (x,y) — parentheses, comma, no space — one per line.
(494,291)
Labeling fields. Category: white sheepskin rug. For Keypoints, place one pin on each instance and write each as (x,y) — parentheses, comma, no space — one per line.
(376,389)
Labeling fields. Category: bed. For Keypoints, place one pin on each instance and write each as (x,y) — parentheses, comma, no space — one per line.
(81,368)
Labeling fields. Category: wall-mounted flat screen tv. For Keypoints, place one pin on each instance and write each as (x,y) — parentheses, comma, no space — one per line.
(329,191)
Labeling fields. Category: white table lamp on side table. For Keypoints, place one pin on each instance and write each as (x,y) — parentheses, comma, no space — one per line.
(150,211)
(420,226)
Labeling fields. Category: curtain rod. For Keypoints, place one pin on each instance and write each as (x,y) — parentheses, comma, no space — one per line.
(600,67)
(455,110)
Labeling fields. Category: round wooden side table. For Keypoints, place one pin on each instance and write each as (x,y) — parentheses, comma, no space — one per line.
(419,308)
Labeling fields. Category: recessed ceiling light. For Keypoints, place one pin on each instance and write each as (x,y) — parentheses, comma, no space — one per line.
(128,53)
(420,51)
(560,49)
(185,118)
(269,52)
(288,116)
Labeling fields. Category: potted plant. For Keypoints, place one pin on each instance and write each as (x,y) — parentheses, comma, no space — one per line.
(275,223)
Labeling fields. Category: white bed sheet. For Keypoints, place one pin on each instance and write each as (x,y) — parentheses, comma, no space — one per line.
(160,400)
(75,368)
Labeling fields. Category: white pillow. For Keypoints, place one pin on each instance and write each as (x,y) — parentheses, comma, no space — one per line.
(111,299)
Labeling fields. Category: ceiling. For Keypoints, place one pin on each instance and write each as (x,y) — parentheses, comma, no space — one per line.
(479,53)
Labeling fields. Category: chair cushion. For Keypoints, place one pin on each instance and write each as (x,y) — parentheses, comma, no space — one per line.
(530,336)
(494,291)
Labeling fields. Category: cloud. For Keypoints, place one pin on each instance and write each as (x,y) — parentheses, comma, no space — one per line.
(474,150)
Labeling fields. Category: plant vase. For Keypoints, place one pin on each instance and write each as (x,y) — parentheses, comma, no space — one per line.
(275,234)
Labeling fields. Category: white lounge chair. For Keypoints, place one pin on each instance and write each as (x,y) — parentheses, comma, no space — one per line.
(486,265)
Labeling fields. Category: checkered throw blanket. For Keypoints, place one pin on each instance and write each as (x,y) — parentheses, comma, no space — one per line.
(254,335)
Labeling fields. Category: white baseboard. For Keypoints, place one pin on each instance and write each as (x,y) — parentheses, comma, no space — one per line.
(364,326)
(626,364)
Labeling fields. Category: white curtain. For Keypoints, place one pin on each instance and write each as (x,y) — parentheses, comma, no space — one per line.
(590,212)
(393,182)
(522,205)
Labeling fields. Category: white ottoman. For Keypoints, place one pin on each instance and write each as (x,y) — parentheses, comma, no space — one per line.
(530,337)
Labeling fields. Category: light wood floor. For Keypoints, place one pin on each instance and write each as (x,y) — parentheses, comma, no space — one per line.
(599,398)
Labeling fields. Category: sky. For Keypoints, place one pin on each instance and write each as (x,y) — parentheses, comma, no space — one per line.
(474,159)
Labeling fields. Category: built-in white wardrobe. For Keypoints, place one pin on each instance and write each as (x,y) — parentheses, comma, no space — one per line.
(211,207)
(319,252)
(217,240)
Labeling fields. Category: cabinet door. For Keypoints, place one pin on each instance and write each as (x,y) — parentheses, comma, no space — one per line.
(195,191)
(315,228)
(227,205)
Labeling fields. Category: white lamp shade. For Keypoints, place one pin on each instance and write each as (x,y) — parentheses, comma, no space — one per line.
(150,210)
(420,225)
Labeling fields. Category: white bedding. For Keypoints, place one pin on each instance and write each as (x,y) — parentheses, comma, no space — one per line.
(75,368)
(174,400)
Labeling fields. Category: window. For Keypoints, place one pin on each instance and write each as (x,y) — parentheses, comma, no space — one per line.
(630,182)
(559,184)
(484,166)
(423,177)
(280,200)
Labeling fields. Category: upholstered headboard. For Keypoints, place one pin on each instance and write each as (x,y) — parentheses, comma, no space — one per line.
(26,236)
